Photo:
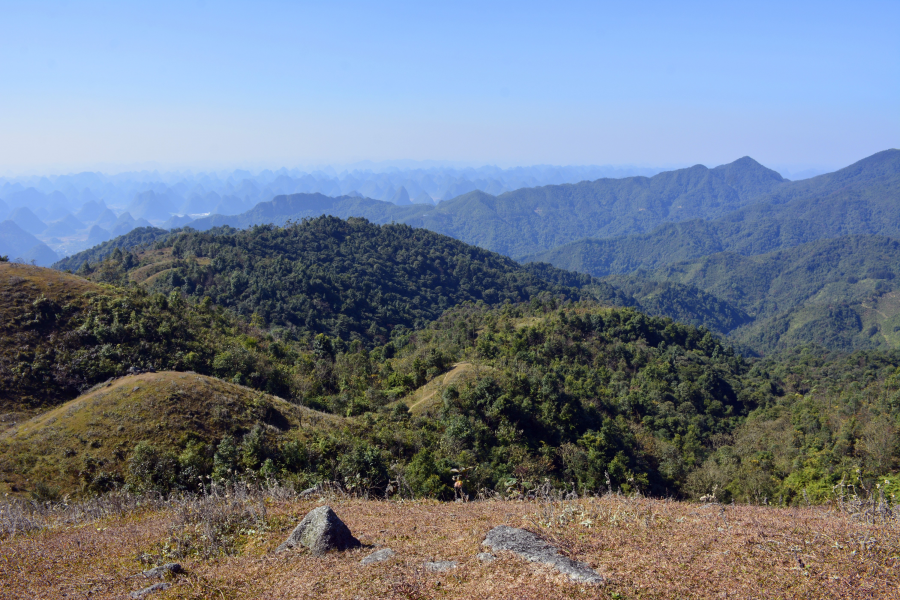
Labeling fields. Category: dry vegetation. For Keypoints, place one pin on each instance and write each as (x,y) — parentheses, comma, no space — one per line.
(98,430)
(646,548)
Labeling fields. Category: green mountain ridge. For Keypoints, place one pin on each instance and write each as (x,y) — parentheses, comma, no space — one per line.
(352,279)
(343,256)
(841,293)
(860,199)
(532,219)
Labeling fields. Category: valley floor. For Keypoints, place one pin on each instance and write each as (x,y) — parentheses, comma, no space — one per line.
(645,548)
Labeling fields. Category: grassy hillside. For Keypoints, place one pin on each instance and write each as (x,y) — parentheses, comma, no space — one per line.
(858,200)
(89,444)
(651,549)
(133,239)
(568,393)
(577,394)
(60,334)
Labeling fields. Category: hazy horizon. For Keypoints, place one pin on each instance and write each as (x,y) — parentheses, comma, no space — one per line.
(104,86)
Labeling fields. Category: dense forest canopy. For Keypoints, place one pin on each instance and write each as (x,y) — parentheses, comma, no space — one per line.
(838,293)
(351,279)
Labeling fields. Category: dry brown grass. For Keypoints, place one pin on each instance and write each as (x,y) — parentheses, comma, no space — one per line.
(646,548)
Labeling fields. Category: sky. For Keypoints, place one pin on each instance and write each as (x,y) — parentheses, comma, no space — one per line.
(115,85)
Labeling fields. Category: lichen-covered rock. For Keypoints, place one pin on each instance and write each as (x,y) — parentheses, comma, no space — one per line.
(378,556)
(163,570)
(320,530)
(156,587)
(533,549)
(440,566)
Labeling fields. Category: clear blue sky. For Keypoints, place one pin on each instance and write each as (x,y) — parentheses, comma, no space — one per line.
(203,84)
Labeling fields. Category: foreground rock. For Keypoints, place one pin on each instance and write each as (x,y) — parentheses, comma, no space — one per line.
(378,556)
(320,530)
(533,549)
(156,587)
(163,571)
(440,566)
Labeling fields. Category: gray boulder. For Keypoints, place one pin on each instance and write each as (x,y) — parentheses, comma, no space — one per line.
(320,530)
(378,556)
(440,566)
(156,587)
(163,571)
(533,549)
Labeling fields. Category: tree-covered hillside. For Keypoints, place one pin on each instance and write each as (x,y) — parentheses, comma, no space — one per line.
(345,256)
(350,279)
(858,200)
(577,394)
(832,421)
(842,293)
(60,334)
(133,239)
(529,220)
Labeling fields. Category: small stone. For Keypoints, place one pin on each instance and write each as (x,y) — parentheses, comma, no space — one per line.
(310,491)
(321,530)
(485,557)
(534,549)
(440,566)
(156,587)
(164,570)
(378,556)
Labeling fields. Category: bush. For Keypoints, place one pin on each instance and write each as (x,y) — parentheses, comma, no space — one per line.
(150,469)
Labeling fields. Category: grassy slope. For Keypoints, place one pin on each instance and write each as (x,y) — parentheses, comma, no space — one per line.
(20,286)
(134,238)
(60,334)
(98,430)
(648,549)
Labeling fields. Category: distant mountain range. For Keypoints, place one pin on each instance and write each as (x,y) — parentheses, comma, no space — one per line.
(530,220)
(863,198)
(617,225)
(768,262)
(841,293)
(171,200)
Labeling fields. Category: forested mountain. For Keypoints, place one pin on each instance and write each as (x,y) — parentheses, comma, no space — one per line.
(350,279)
(133,239)
(860,199)
(684,303)
(839,293)
(61,334)
(528,220)
(341,262)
